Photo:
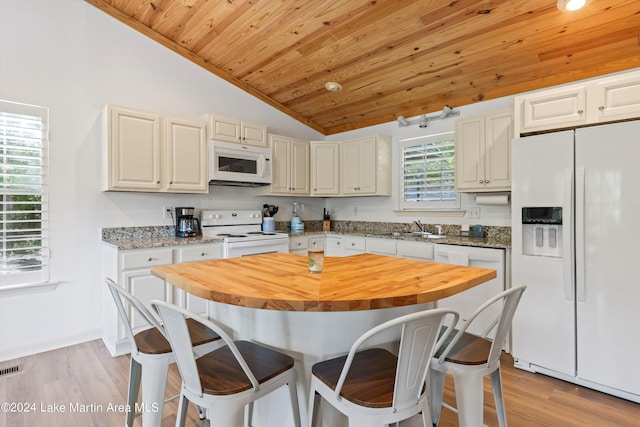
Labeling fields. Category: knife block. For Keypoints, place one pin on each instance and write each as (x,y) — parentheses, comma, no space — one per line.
(326,225)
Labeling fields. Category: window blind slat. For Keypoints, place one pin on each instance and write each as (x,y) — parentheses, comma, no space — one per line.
(23,208)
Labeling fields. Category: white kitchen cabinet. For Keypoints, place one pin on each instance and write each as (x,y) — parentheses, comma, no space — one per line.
(189,253)
(352,245)
(317,242)
(228,129)
(415,250)
(379,246)
(483,152)
(131,269)
(365,166)
(186,168)
(333,246)
(325,168)
(596,101)
(290,165)
(468,301)
(298,245)
(143,151)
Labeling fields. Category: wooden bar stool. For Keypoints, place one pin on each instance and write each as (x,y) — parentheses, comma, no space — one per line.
(228,379)
(374,387)
(469,358)
(151,355)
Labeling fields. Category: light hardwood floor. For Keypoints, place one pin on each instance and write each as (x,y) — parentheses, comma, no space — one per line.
(86,374)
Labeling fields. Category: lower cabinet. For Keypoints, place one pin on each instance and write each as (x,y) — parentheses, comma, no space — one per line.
(131,269)
(381,246)
(422,251)
(466,302)
(188,254)
(298,245)
(350,245)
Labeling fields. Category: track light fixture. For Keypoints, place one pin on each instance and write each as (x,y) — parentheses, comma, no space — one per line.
(423,121)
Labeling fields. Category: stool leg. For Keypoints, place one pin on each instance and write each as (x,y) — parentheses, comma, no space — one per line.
(436,390)
(183,407)
(469,398)
(154,382)
(135,371)
(496,385)
(295,407)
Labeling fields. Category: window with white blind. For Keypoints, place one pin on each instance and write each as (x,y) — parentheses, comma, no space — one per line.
(428,173)
(23,194)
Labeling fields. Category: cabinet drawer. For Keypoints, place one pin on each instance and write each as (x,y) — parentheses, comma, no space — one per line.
(146,258)
(353,243)
(416,250)
(199,253)
(298,242)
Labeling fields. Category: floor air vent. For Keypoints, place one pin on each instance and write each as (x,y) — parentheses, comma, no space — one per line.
(10,370)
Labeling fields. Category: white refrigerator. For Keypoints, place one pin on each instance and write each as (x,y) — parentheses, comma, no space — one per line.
(575,233)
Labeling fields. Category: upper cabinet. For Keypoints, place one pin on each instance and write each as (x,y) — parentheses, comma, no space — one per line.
(365,166)
(233,130)
(290,158)
(602,100)
(325,168)
(483,152)
(143,151)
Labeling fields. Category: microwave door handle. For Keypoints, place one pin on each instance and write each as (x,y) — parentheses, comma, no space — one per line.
(261,166)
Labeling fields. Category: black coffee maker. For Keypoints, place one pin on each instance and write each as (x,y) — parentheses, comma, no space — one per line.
(186,224)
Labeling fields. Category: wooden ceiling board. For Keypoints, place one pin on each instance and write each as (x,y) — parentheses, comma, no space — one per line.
(392,57)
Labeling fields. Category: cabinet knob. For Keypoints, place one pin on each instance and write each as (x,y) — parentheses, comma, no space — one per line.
(486,181)
(601,108)
(157,182)
(202,254)
(580,112)
(150,259)
(481,181)
(353,244)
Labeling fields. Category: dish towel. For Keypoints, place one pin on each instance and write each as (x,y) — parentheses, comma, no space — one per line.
(459,259)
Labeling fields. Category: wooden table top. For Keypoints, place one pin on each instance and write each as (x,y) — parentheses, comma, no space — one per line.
(279,281)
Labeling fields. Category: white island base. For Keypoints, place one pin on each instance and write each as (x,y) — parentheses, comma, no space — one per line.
(308,337)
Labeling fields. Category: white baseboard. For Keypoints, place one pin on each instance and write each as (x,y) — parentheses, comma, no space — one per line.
(28,350)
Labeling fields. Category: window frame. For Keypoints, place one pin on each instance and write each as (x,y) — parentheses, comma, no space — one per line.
(431,205)
(34,184)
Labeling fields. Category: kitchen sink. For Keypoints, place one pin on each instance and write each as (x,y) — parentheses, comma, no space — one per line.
(427,235)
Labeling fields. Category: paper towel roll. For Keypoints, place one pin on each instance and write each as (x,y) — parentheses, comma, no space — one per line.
(492,199)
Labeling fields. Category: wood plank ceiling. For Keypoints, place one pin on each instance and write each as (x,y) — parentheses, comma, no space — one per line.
(392,57)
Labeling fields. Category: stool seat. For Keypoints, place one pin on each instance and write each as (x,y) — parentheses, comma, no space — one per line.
(152,341)
(468,350)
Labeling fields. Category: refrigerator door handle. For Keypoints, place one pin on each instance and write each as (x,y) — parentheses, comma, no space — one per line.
(581,283)
(568,255)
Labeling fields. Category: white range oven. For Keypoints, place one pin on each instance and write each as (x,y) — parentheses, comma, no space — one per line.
(241,233)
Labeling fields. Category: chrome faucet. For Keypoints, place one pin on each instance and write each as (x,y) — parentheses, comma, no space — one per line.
(439,227)
(420,225)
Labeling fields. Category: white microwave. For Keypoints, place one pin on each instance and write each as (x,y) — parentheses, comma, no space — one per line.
(239,165)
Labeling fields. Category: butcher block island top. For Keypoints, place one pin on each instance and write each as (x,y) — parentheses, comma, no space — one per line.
(279,281)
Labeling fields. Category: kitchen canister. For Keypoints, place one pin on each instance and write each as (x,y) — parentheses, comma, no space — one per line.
(268,224)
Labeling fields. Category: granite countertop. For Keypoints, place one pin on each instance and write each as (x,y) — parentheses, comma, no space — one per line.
(126,238)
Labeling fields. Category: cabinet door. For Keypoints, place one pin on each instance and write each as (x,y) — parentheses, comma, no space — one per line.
(333,247)
(224,128)
(470,135)
(253,134)
(367,167)
(556,108)
(281,164)
(415,250)
(497,150)
(186,159)
(349,167)
(615,98)
(317,242)
(133,150)
(352,245)
(325,168)
(299,174)
(145,287)
(380,246)
(189,254)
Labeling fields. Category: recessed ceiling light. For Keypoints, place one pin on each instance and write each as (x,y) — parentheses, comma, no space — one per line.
(333,87)
(570,5)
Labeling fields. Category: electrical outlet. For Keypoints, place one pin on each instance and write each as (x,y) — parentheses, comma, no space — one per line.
(474,212)
(166,211)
